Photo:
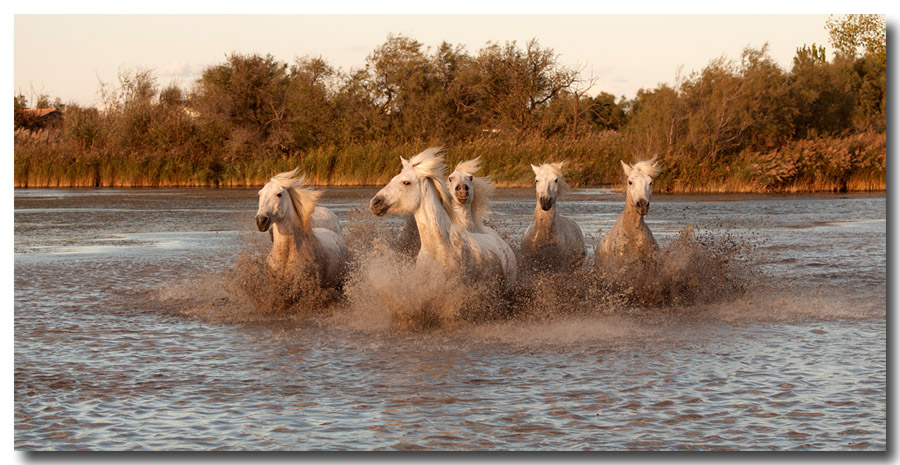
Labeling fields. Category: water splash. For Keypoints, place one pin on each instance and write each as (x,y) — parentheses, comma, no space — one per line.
(686,271)
(697,277)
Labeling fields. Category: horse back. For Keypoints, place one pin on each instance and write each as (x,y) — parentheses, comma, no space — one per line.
(335,254)
(324,218)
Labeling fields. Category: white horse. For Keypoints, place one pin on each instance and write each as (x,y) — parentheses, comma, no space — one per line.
(630,237)
(287,205)
(552,241)
(420,189)
(472,195)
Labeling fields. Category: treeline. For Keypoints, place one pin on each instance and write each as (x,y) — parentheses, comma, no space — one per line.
(735,125)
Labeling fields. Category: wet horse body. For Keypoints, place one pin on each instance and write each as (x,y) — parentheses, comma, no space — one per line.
(408,242)
(630,237)
(286,208)
(321,218)
(552,241)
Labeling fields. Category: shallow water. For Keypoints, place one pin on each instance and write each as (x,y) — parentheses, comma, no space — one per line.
(123,339)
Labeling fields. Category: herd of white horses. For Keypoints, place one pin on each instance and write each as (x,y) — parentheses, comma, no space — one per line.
(445,223)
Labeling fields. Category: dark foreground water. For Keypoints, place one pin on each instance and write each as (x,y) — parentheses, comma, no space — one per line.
(131,334)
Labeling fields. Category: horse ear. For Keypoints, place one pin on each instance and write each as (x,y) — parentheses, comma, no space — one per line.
(559,165)
(626,167)
(404,162)
(535,169)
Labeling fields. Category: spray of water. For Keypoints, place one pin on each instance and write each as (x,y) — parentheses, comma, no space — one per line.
(385,290)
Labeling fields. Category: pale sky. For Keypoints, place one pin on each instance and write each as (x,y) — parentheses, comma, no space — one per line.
(67,56)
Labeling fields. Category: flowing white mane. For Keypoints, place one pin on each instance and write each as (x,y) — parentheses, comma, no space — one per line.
(483,187)
(429,164)
(649,167)
(302,197)
(469,166)
(556,169)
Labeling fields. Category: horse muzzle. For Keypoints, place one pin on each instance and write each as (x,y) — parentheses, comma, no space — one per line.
(642,207)
(462,193)
(378,206)
(546,203)
(263,222)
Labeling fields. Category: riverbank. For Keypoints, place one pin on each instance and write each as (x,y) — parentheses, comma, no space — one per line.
(853,163)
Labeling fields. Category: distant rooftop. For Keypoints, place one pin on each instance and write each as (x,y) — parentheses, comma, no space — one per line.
(39,112)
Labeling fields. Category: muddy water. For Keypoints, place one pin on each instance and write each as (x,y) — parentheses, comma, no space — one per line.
(130,335)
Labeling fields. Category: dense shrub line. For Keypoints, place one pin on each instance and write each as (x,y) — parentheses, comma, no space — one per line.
(736,125)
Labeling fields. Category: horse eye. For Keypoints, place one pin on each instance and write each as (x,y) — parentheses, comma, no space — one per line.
(471,178)
(279,194)
(406,183)
(556,181)
(629,183)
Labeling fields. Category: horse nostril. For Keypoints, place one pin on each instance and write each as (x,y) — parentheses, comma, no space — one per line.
(377,206)
(546,203)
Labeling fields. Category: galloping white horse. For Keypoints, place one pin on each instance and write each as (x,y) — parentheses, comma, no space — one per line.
(287,205)
(552,241)
(420,189)
(472,195)
(630,237)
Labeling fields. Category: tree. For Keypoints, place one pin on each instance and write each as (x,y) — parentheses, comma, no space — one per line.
(460,98)
(605,113)
(862,39)
(657,121)
(518,83)
(172,96)
(310,105)
(821,93)
(855,35)
(20,103)
(767,111)
(405,82)
(242,102)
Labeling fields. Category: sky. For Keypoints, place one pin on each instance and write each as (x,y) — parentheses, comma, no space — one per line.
(68,56)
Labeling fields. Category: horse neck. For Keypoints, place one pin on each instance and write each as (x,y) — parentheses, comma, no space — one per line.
(469,220)
(630,216)
(434,224)
(292,235)
(545,221)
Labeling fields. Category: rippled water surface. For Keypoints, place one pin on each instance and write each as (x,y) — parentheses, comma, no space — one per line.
(124,338)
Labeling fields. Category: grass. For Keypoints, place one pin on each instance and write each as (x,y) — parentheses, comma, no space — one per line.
(850,163)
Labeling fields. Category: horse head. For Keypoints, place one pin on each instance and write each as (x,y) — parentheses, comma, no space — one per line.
(640,184)
(420,175)
(402,195)
(286,198)
(549,184)
(462,181)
